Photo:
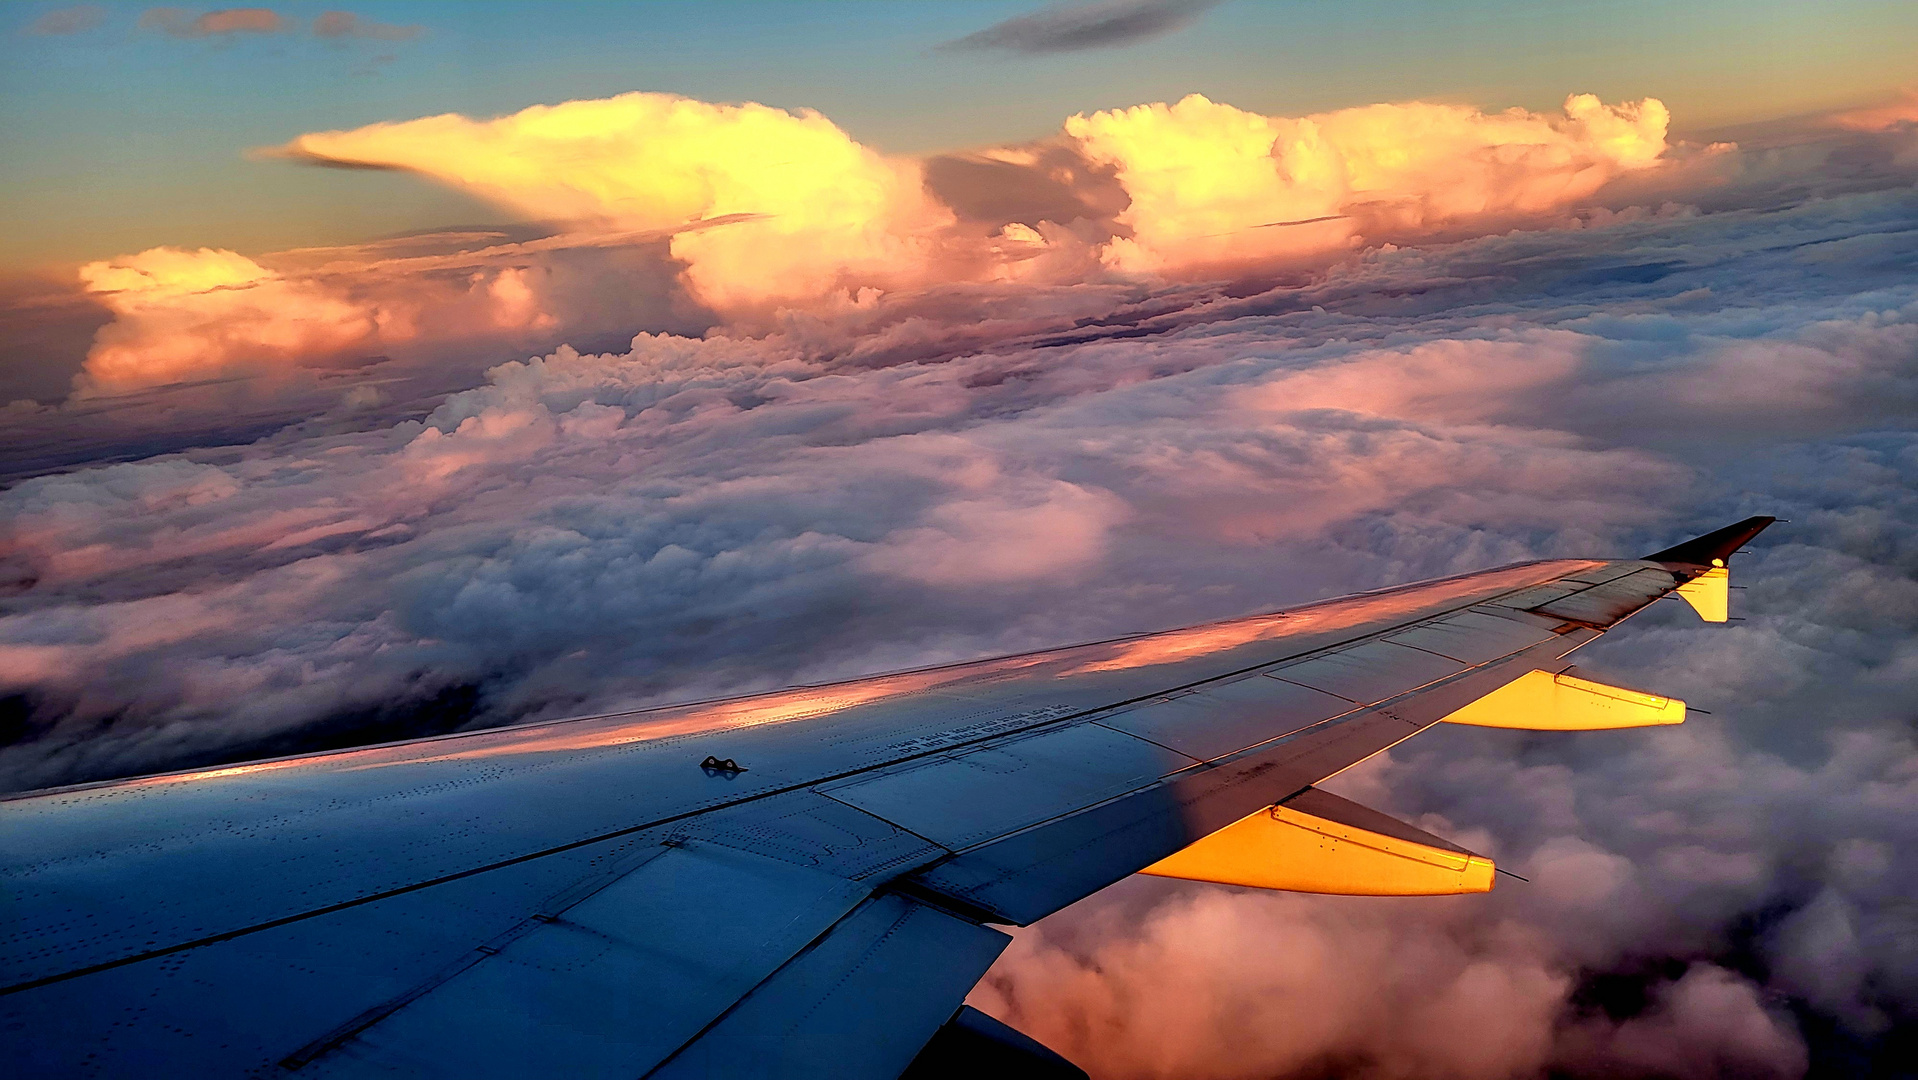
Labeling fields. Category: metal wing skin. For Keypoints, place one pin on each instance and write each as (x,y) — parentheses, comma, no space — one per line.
(801,883)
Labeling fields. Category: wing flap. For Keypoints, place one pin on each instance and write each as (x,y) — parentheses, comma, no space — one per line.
(1370,672)
(860,1002)
(1477,636)
(611,985)
(1604,605)
(1218,719)
(962,798)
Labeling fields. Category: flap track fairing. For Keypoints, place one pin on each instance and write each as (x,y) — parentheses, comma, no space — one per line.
(1317,842)
(1709,594)
(1566,701)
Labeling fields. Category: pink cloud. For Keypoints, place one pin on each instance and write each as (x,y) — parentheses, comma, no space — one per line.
(189,315)
(68,20)
(1899,111)
(177,22)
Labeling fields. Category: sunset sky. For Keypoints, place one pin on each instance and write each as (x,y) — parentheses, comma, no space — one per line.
(121,138)
(395,370)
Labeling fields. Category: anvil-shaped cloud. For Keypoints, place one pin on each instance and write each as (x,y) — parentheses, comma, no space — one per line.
(824,210)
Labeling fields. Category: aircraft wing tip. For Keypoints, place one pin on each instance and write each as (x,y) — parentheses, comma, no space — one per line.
(1716,547)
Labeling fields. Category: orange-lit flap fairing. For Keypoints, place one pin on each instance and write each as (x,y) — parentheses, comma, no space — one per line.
(1709,594)
(1319,843)
(1542,701)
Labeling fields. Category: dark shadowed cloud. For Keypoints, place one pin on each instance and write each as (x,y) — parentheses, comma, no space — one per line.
(1075,27)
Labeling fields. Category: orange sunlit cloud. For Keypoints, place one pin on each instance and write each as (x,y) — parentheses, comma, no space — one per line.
(1212,183)
(184,315)
(1205,180)
(827,207)
(194,314)
(763,209)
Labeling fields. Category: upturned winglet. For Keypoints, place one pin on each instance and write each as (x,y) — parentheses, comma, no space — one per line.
(1713,548)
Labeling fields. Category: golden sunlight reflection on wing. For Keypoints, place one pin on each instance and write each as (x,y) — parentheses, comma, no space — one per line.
(974,679)
(1176,645)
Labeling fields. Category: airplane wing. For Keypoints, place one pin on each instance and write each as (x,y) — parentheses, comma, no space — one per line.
(803,883)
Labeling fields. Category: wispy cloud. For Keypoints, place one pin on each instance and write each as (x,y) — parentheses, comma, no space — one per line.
(68,20)
(345,24)
(178,22)
(1075,27)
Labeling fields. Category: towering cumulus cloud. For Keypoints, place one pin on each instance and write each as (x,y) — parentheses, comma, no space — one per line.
(185,315)
(196,314)
(766,210)
(1214,184)
(824,210)
(798,211)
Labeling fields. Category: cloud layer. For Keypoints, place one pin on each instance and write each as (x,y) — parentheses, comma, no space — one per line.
(1031,442)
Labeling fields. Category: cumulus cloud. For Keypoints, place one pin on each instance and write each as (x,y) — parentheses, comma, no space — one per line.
(68,20)
(196,314)
(192,315)
(225,22)
(987,462)
(1213,184)
(780,209)
(1076,27)
(816,209)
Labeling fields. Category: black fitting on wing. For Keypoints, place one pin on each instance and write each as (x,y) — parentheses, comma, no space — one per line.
(1717,545)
